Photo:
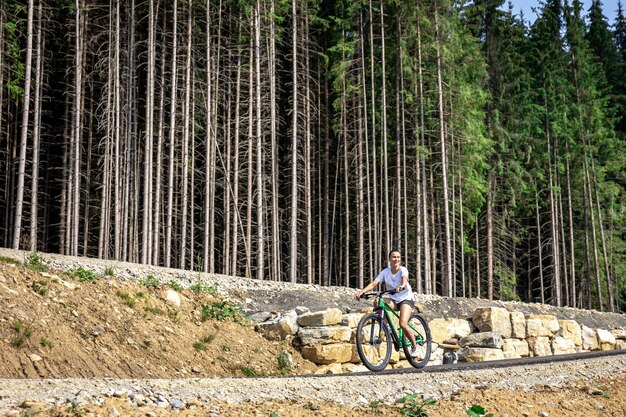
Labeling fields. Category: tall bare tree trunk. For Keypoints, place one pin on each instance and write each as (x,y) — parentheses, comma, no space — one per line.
(146,223)
(34,206)
(259,162)
(172,138)
(21,173)
(444,164)
(186,137)
(293,222)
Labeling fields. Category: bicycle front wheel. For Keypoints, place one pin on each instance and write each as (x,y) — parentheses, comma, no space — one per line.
(373,342)
(423,344)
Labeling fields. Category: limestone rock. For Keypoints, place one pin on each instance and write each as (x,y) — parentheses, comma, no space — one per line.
(515,348)
(477,354)
(325,354)
(173,297)
(351,319)
(518,325)
(327,317)
(278,329)
(619,333)
(330,369)
(590,338)
(606,340)
(620,344)
(540,346)
(539,325)
(484,339)
(493,319)
(324,335)
(570,329)
(442,329)
(562,346)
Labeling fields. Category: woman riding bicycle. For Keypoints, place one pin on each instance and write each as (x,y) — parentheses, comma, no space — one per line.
(396,277)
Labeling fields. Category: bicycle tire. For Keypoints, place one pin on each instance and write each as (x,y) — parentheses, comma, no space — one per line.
(373,342)
(424,341)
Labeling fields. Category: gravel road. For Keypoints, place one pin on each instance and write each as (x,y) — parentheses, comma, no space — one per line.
(354,389)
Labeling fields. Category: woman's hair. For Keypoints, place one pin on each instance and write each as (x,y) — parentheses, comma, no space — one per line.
(392,251)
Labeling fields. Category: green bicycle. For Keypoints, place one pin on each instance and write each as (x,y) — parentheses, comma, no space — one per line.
(376,333)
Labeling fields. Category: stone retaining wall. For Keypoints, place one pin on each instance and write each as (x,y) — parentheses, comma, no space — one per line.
(327,337)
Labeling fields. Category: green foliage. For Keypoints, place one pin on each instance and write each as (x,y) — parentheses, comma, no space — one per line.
(223,310)
(85,275)
(477,411)
(45,342)
(40,287)
(175,285)
(35,262)
(109,271)
(199,346)
(22,333)
(155,310)
(249,372)
(203,288)
(414,406)
(127,298)
(284,364)
(9,260)
(310,406)
(151,282)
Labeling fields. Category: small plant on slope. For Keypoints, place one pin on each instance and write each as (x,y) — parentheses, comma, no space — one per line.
(415,407)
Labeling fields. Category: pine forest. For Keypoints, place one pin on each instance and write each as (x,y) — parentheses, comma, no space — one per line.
(301,140)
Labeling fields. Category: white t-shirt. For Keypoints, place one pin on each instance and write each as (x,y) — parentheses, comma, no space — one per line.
(393,281)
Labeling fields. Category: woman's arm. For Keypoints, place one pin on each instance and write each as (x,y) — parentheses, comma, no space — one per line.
(367,288)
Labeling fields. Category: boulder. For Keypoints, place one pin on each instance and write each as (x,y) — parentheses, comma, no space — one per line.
(515,348)
(351,319)
(325,354)
(173,297)
(518,325)
(570,329)
(606,340)
(620,344)
(540,346)
(327,317)
(619,333)
(324,335)
(493,319)
(278,329)
(484,339)
(477,354)
(562,346)
(442,329)
(541,325)
(330,369)
(590,338)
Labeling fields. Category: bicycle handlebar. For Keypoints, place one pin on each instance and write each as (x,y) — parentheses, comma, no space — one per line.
(377,293)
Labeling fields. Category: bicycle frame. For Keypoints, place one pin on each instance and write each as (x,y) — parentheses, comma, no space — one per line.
(396,335)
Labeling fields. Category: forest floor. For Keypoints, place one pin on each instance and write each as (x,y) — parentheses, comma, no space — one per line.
(58,324)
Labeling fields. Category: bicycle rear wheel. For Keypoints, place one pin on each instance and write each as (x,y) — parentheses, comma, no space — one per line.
(421,331)
(373,342)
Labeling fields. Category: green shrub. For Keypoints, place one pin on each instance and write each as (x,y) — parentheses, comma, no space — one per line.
(175,285)
(85,275)
(223,310)
(151,281)
(203,288)
(23,333)
(45,342)
(414,406)
(35,262)
(109,272)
